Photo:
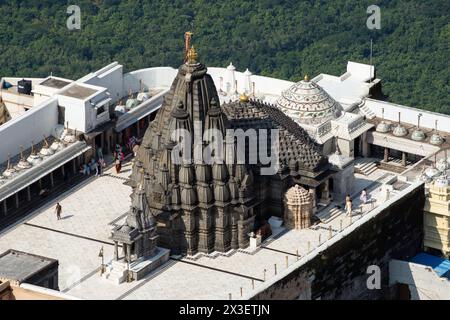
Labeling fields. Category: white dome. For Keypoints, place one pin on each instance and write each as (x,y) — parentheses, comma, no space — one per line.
(383,127)
(432,172)
(308,103)
(400,131)
(418,135)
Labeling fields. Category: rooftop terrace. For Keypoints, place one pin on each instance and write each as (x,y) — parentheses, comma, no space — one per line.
(18,266)
(79,92)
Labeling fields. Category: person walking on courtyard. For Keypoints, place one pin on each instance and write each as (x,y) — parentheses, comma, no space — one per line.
(363,196)
(348,205)
(58,210)
(118,165)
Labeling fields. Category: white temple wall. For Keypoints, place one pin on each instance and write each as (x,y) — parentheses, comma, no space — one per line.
(343,182)
(346,147)
(110,77)
(76,112)
(150,77)
(33,125)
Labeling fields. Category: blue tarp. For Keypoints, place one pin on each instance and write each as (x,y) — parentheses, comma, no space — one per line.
(440,266)
(7,85)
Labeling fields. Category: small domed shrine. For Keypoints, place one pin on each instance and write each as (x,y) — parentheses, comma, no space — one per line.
(298,208)
(307,103)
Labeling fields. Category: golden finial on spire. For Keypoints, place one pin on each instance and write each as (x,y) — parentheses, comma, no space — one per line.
(244,98)
(306,78)
(192,56)
(187,44)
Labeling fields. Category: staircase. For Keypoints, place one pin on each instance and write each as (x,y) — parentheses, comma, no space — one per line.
(328,215)
(116,272)
(365,110)
(366,168)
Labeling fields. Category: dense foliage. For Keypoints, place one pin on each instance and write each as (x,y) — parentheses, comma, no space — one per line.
(280,38)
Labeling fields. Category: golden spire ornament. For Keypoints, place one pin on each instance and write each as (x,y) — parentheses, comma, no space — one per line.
(192,56)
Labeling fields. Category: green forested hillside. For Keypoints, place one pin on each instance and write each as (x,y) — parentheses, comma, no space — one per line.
(285,39)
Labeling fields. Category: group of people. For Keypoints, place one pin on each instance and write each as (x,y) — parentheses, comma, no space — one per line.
(95,165)
(349,202)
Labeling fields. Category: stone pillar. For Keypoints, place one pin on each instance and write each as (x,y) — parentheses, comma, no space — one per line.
(116,251)
(325,193)
(365,146)
(16,196)
(5,207)
(205,232)
(28,193)
(74,167)
(63,170)
(312,191)
(386,155)
(404,159)
(128,253)
(52,182)
(102,142)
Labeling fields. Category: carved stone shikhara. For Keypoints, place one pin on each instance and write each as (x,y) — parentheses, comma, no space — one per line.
(197,206)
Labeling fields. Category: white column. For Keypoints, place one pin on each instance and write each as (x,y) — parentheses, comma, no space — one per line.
(230,85)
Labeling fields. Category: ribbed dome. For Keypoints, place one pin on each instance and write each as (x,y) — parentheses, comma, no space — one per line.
(418,135)
(436,139)
(306,102)
(298,195)
(383,127)
(400,131)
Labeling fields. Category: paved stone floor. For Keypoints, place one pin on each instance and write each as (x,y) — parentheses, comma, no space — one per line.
(90,209)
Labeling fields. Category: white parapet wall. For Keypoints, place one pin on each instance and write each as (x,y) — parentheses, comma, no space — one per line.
(160,77)
(409,115)
(423,282)
(33,125)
